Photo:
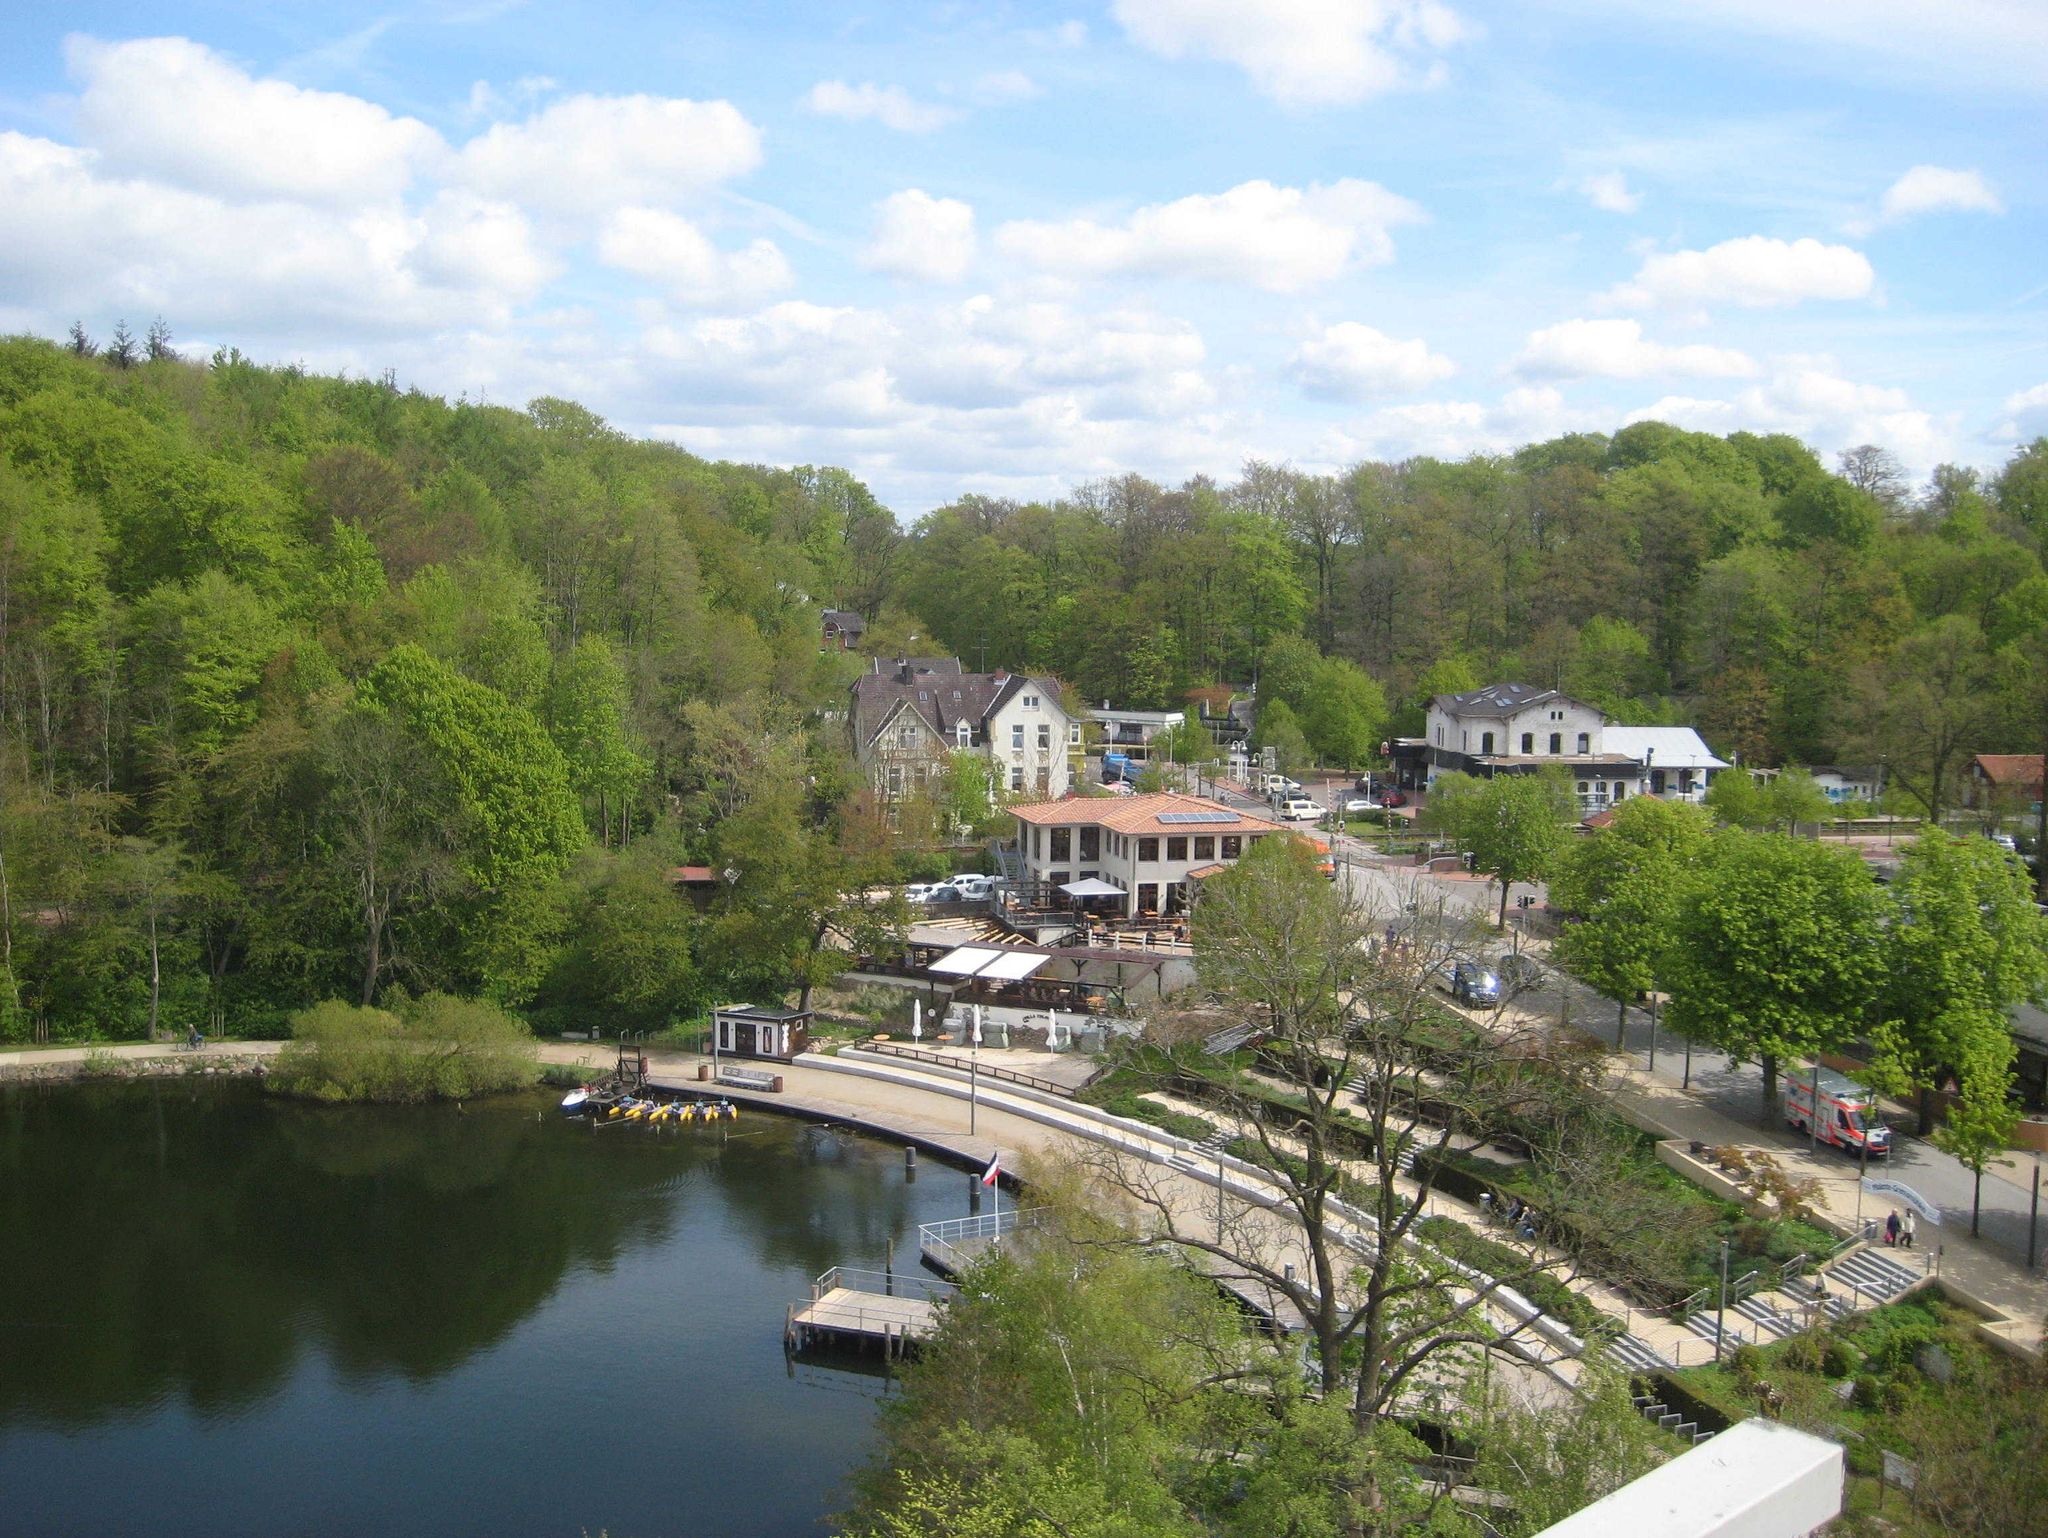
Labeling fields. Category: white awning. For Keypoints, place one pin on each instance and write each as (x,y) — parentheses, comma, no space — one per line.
(1093,888)
(1012,966)
(966,961)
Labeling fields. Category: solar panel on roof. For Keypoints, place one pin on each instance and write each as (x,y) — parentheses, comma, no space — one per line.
(1198,817)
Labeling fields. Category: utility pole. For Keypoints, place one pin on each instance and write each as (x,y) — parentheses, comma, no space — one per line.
(2034,1218)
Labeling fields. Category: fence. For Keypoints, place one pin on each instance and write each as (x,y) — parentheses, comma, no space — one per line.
(953,1243)
(986,1071)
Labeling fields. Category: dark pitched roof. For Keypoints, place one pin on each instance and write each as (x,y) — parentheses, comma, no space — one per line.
(942,698)
(1504,700)
(845,621)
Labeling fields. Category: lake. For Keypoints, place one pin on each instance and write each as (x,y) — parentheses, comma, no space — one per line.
(223,1313)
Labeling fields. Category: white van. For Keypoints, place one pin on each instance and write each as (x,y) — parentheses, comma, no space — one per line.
(1277,785)
(1299,809)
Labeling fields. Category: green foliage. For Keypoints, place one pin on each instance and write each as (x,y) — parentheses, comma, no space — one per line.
(439,1048)
(1622,888)
(1513,825)
(1776,948)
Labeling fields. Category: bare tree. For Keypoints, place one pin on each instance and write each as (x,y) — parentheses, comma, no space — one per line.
(1877,472)
(1359,1089)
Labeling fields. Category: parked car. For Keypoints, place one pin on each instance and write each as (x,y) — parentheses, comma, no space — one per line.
(1361,806)
(1395,798)
(918,893)
(976,888)
(1469,982)
(2006,842)
(945,892)
(1278,785)
(1299,809)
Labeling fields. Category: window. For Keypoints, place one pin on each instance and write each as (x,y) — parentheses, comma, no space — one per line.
(1620,790)
(1486,742)
(1148,851)
(1557,715)
(1016,777)
(1074,734)
(1056,877)
(1464,742)
(1062,844)
(906,737)
(1177,847)
(1528,743)
(1044,739)
(1585,742)
(963,734)
(1037,841)
(1233,845)
(1582,787)
(1017,734)
(1439,736)
(1557,742)
(1030,702)
(1205,846)
(1091,843)
(895,779)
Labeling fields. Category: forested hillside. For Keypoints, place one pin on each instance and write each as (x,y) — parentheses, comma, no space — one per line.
(316,687)
(313,687)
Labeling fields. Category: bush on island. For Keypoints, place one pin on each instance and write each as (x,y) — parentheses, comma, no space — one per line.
(433,1048)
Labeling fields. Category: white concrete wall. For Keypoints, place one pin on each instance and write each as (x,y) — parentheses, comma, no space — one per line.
(1760,1479)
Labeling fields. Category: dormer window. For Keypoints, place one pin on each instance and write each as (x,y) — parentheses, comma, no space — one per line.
(963,734)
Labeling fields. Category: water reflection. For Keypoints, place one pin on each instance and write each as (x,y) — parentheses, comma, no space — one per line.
(199,1271)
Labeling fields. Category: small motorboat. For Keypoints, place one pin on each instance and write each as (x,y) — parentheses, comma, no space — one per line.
(576,1101)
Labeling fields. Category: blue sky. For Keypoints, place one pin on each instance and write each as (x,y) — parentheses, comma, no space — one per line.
(1013,248)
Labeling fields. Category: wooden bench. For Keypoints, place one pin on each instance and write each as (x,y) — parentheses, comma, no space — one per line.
(751,1078)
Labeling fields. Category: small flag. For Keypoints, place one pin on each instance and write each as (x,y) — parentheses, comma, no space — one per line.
(988,1176)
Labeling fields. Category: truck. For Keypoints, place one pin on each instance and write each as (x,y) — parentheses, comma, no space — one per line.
(1848,1115)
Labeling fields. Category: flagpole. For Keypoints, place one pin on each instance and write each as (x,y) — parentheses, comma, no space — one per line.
(996,1185)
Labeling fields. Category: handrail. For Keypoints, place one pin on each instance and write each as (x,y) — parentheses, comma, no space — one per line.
(1743,1285)
(891,1283)
(1684,1307)
(952,1060)
(1861,1236)
(1794,1267)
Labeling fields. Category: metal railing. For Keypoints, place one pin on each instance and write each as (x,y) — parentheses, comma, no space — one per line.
(1743,1286)
(893,1284)
(941,1242)
(954,1060)
(1795,1267)
(1685,1307)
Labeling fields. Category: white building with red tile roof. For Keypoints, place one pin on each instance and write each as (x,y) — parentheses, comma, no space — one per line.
(1150,847)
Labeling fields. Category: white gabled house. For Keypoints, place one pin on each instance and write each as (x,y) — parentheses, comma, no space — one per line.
(908,720)
(1519,729)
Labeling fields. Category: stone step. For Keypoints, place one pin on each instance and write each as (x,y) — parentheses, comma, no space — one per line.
(1877,1275)
(1768,1315)
(1702,1325)
(1640,1355)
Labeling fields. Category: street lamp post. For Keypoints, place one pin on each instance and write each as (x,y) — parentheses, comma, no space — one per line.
(1721,1312)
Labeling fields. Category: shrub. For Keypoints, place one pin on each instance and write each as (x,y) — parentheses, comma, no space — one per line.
(1867,1395)
(1894,1396)
(1838,1360)
(1747,1364)
(441,1048)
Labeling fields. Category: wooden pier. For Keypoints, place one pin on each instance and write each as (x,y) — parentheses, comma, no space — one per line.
(860,1310)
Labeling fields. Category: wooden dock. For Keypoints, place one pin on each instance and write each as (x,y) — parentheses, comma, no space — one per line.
(865,1309)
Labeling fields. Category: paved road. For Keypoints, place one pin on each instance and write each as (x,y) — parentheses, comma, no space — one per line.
(1733,1091)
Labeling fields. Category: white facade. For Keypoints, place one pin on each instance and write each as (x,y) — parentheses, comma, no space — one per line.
(1147,845)
(1553,727)
(1759,1479)
(1028,738)
(1514,728)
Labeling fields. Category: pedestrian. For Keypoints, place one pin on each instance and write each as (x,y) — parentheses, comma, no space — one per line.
(1908,1236)
(1891,1228)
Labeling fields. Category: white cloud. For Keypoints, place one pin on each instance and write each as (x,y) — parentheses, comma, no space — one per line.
(890,105)
(1304,53)
(584,155)
(1283,239)
(1807,397)
(668,249)
(177,112)
(1006,86)
(2028,415)
(1452,429)
(74,240)
(1349,361)
(919,236)
(1935,189)
(1756,271)
(1617,349)
(1609,192)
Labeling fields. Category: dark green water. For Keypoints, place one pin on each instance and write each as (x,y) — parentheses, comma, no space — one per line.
(226,1314)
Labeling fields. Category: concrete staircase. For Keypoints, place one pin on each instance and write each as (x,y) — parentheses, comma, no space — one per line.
(1669,1419)
(1872,1274)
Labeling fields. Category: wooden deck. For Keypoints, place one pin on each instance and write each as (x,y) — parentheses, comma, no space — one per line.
(877,1309)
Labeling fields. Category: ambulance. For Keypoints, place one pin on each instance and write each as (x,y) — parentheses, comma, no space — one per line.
(1848,1112)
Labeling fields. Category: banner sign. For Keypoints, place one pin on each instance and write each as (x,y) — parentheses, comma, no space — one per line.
(1877,1186)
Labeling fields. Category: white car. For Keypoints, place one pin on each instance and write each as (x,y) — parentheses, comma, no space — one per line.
(1361,806)
(2006,842)
(1278,784)
(974,888)
(1299,809)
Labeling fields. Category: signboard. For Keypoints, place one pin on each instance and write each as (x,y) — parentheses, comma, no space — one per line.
(1876,1186)
(1269,759)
